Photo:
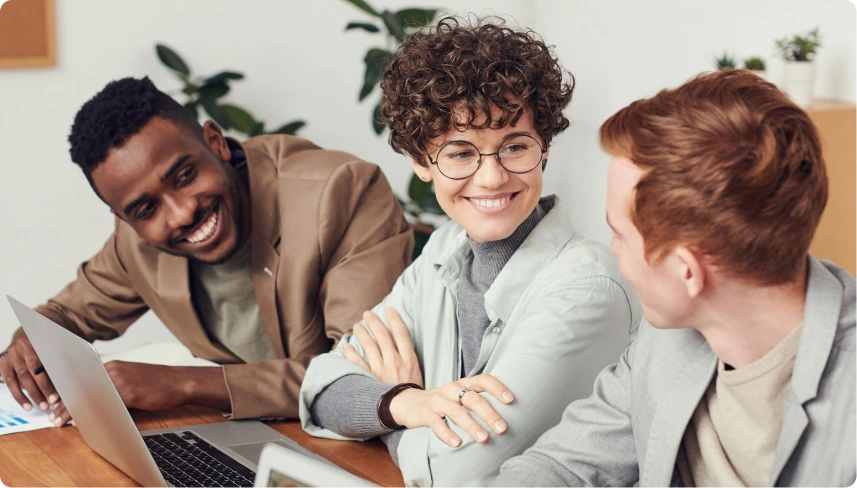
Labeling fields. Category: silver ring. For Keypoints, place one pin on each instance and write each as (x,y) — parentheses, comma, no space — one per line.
(461,394)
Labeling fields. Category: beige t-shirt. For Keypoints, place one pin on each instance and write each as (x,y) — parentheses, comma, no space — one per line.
(732,436)
(225,301)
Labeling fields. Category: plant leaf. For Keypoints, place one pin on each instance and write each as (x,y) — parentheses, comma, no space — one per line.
(213,90)
(378,123)
(191,107)
(418,188)
(259,129)
(291,128)
(394,25)
(171,60)
(420,241)
(364,7)
(216,112)
(223,76)
(428,203)
(362,25)
(376,61)
(416,17)
(239,119)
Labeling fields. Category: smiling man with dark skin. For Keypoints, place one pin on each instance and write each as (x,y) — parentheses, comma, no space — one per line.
(255,255)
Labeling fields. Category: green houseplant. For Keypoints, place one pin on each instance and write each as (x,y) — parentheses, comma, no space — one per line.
(799,48)
(394,27)
(799,52)
(206,93)
(756,65)
(726,61)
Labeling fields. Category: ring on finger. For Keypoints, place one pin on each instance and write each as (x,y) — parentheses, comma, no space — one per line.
(461,394)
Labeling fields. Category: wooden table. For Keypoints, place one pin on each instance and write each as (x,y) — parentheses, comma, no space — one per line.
(60,457)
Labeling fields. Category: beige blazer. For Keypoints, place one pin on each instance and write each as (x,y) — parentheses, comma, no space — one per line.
(328,241)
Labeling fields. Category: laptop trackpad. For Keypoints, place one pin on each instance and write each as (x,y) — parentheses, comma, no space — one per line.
(253,451)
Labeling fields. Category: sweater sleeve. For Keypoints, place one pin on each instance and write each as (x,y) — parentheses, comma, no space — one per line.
(349,407)
(392,440)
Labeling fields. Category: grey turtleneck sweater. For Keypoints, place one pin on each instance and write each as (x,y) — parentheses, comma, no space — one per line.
(349,405)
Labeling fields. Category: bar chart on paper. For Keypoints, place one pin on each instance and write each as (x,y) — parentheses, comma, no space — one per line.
(13,418)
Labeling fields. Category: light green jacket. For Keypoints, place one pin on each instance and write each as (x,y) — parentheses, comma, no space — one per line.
(560,312)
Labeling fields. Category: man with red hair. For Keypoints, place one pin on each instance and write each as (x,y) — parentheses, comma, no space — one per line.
(743,373)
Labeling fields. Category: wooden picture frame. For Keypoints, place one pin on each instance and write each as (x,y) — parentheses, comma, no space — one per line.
(27,34)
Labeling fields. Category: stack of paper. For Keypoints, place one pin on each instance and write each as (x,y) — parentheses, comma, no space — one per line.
(13,418)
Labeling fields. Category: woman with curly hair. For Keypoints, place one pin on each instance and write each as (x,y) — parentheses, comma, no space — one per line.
(508,314)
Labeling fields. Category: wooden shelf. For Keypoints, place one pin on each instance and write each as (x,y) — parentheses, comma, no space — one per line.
(837,232)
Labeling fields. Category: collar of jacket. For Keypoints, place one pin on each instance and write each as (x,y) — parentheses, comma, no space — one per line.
(264,207)
(820,325)
(538,250)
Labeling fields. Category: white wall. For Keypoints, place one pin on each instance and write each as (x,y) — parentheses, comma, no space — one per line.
(300,64)
(622,50)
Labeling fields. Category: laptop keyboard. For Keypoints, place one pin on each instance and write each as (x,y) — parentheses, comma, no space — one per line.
(186,460)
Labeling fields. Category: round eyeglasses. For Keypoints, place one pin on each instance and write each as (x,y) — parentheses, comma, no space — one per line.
(459,160)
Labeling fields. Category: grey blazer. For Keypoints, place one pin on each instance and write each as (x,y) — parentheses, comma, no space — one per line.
(630,430)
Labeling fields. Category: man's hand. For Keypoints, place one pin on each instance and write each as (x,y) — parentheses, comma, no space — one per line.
(417,408)
(156,387)
(147,386)
(17,367)
(391,362)
(60,416)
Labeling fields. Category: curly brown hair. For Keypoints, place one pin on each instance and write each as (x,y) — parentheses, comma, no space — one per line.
(463,68)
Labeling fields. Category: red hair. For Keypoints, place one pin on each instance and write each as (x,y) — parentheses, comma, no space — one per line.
(732,168)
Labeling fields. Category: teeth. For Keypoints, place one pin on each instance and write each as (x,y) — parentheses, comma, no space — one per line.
(490,203)
(204,232)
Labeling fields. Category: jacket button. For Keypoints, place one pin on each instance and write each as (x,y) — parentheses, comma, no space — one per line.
(495,330)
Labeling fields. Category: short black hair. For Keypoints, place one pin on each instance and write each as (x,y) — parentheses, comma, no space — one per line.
(118,112)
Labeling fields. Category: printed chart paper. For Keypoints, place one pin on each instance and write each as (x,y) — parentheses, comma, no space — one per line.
(13,418)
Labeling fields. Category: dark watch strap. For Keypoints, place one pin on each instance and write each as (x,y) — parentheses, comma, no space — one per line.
(384,415)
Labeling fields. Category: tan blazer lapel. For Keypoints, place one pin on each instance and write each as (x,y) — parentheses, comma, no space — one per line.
(265,236)
(265,262)
(673,415)
(174,292)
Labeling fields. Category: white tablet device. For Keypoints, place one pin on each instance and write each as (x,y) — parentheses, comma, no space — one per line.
(281,467)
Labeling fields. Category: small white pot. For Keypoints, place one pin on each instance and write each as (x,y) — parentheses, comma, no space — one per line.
(799,81)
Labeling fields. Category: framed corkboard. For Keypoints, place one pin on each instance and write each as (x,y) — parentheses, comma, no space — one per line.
(27,37)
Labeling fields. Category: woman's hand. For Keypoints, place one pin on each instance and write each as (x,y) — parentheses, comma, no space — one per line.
(391,362)
(418,408)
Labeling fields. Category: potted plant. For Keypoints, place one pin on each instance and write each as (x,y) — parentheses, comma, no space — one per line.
(799,55)
(206,92)
(421,208)
(756,65)
(724,62)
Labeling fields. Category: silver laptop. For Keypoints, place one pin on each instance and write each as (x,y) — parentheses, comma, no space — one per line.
(219,454)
